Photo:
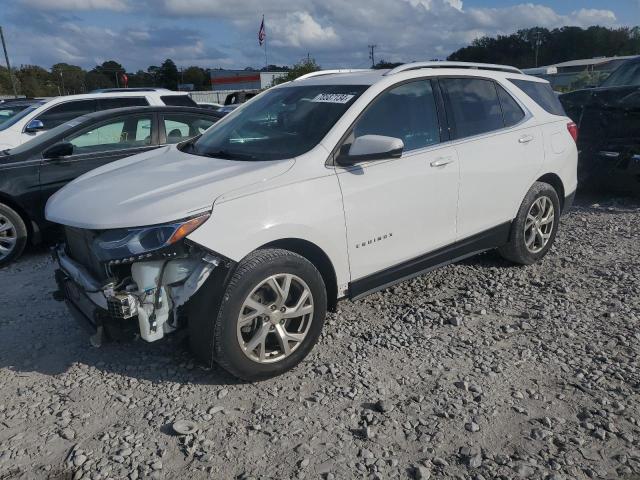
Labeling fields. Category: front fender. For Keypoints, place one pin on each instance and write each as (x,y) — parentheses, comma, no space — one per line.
(309,210)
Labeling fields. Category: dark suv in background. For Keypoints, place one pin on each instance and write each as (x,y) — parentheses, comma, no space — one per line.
(608,118)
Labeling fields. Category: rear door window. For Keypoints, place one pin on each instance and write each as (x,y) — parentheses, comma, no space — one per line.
(178,100)
(66,111)
(109,103)
(511,111)
(472,105)
(180,126)
(542,94)
(407,112)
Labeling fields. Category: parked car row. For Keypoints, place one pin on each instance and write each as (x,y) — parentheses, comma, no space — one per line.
(329,187)
(42,116)
(49,143)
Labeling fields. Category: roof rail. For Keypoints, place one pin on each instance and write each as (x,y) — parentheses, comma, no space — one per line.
(330,72)
(469,65)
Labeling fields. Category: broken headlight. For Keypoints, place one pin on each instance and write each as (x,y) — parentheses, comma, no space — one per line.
(129,244)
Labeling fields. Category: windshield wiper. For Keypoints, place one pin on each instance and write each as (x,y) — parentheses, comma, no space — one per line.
(227,155)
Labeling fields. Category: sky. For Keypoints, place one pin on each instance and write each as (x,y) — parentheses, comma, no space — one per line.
(223,33)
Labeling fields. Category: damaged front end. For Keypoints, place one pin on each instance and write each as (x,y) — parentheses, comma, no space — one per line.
(130,281)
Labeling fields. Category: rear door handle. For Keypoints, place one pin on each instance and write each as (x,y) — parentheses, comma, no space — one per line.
(525,139)
(441,161)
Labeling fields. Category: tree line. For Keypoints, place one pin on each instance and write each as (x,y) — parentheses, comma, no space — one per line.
(66,79)
(551,46)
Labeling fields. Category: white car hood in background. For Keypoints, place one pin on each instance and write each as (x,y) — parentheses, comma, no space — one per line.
(154,187)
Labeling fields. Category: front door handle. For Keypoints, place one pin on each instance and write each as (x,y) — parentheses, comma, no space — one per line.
(525,139)
(441,161)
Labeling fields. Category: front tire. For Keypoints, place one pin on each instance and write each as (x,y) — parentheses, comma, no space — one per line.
(13,235)
(535,227)
(271,315)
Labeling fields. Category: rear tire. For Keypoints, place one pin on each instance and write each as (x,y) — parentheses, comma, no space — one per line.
(13,235)
(535,227)
(271,315)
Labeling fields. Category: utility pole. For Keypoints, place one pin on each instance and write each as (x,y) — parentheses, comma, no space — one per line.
(537,45)
(62,81)
(6,57)
(371,55)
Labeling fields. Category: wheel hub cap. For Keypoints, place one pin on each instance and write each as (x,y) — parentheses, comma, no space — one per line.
(275,318)
(8,236)
(539,224)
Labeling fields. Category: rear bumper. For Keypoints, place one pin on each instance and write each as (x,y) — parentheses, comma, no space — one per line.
(613,168)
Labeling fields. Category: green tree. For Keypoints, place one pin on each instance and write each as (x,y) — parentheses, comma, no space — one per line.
(168,75)
(5,82)
(196,75)
(303,67)
(37,82)
(70,78)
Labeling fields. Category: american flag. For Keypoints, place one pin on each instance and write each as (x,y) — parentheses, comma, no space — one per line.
(262,34)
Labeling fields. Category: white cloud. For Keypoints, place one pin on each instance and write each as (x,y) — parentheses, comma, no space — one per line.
(591,16)
(71,5)
(301,30)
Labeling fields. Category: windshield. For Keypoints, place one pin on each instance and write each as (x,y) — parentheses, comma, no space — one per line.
(18,116)
(9,110)
(628,74)
(282,123)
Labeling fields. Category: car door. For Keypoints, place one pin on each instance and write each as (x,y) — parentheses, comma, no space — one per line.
(397,210)
(500,150)
(97,145)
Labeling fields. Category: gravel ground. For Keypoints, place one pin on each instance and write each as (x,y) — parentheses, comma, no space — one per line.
(478,371)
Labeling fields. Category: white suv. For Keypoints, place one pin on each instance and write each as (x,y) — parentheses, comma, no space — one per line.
(335,185)
(47,114)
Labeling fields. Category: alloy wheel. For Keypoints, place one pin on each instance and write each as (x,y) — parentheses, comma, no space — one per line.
(8,237)
(538,226)
(275,318)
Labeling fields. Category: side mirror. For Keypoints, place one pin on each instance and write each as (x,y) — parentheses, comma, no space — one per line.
(371,147)
(59,150)
(33,126)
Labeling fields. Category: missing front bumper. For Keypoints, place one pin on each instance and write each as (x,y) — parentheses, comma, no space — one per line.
(147,305)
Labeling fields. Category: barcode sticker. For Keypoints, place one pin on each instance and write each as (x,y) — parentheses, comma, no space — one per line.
(332,98)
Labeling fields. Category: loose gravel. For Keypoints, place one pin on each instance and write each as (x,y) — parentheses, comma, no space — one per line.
(480,370)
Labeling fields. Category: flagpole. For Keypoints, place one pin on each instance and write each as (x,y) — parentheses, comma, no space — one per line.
(266,64)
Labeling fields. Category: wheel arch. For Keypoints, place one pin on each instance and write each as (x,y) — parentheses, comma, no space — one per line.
(318,258)
(556,182)
(33,230)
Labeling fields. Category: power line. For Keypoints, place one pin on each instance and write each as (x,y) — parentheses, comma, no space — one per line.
(371,55)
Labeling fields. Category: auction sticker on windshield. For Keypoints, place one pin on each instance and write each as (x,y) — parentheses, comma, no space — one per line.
(332,98)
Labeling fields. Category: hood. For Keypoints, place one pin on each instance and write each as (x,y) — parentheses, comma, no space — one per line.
(155,187)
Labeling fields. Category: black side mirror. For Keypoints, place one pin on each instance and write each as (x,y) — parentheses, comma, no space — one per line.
(59,150)
(370,147)
(33,126)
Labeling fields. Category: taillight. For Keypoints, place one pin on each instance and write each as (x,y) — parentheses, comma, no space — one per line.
(573,131)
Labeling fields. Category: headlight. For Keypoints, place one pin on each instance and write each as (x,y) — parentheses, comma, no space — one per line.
(129,244)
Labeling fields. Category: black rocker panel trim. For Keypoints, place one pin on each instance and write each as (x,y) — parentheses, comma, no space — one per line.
(492,238)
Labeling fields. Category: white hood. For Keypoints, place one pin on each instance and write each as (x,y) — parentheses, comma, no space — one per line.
(155,187)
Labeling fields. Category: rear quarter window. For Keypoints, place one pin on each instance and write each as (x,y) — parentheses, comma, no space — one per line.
(542,94)
(178,101)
